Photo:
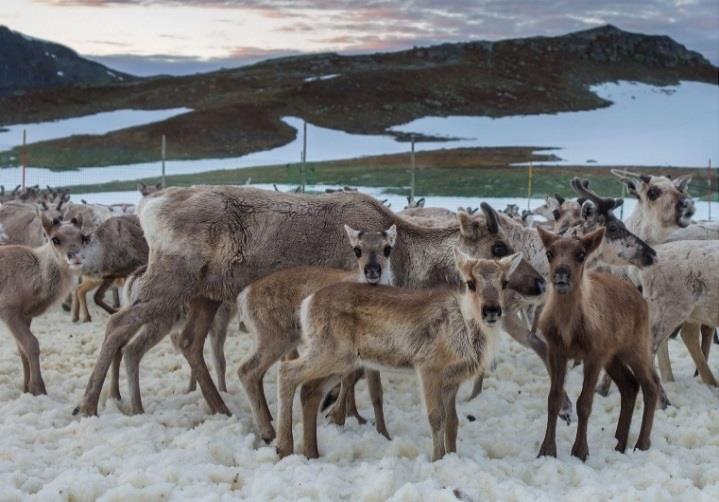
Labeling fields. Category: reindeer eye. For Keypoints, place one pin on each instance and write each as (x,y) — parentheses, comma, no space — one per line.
(499,249)
(612,227)
(387,251)
(358,252)
(556,214)
(85,239)
(653,193)
(505,284)
(56,241)
(550,256)
(471,285)
(580,256)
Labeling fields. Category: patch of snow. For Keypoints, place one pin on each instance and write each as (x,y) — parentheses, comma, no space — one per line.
(176,450)
(676,126)
(322,77)
(60,74)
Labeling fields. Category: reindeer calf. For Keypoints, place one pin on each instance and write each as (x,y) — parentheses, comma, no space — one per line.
(446,336)
(603,321)
(270,309)
(31,281)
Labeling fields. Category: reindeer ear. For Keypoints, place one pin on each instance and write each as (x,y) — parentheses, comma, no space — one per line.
(158,186)
(47,224)
(420,202)
(510,263)
(547,237)
(592,240)
(463,262)
(354,235)
(391,234)
(682,182)
(468,226)
(633,181)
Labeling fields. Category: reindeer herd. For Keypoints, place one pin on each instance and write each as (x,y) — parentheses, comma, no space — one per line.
(337,287)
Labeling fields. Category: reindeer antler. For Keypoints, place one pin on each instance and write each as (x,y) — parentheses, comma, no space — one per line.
(604,204)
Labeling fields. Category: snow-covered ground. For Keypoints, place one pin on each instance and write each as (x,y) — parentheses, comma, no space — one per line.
(646,125)
(177,451)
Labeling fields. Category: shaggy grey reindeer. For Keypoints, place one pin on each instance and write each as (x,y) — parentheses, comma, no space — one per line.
(446,336)
(21,224)
(117,248)
(208,243)
(31,281)
(135,350)
(270,309)
(663,213)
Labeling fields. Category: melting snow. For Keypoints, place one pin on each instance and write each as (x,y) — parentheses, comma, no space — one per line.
(322,77)
(178,451)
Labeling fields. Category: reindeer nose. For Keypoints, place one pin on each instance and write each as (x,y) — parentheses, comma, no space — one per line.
(541,285)
(491,313)
(372,272)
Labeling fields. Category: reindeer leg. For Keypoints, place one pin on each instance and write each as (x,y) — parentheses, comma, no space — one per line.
(451,421)
(150,335)
(269,349)
(352,402)
(628,389)
(192,339)
(99,296)
(25,369)
(584,407)
(218,336)
(374,382)
(120,328)
(432,389)
(557,372)
(707,333)
(690,334)
(19,326)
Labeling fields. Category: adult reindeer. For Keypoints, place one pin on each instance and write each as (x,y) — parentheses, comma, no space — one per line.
(207,243)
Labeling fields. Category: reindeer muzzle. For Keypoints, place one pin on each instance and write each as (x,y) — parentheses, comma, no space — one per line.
(491,313)
(685,211)
(373,273)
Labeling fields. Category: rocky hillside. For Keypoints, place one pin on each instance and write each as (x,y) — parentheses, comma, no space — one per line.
(27,63)
(238,111)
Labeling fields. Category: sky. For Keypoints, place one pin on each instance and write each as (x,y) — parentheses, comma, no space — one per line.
(178,37)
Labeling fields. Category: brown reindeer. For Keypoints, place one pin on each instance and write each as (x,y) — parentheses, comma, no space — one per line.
(446,336)
(604,322)
(31,281)
(270,309)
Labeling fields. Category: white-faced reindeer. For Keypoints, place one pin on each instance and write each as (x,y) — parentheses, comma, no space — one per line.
(270,309)
(201,258)
(31,281)
(663,213)
(445,336)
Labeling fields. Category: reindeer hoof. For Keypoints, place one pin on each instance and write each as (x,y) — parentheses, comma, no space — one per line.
(581,452)
(84,410)
(283,452)
(621,447)
(88,319)
(548,451)
(566,416)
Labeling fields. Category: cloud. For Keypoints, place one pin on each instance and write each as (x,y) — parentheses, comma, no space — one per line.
(352,25)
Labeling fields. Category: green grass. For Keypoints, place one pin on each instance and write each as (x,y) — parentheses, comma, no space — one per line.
(446,181)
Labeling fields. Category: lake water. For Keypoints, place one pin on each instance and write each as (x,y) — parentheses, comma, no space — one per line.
(99,123)
(646,125)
